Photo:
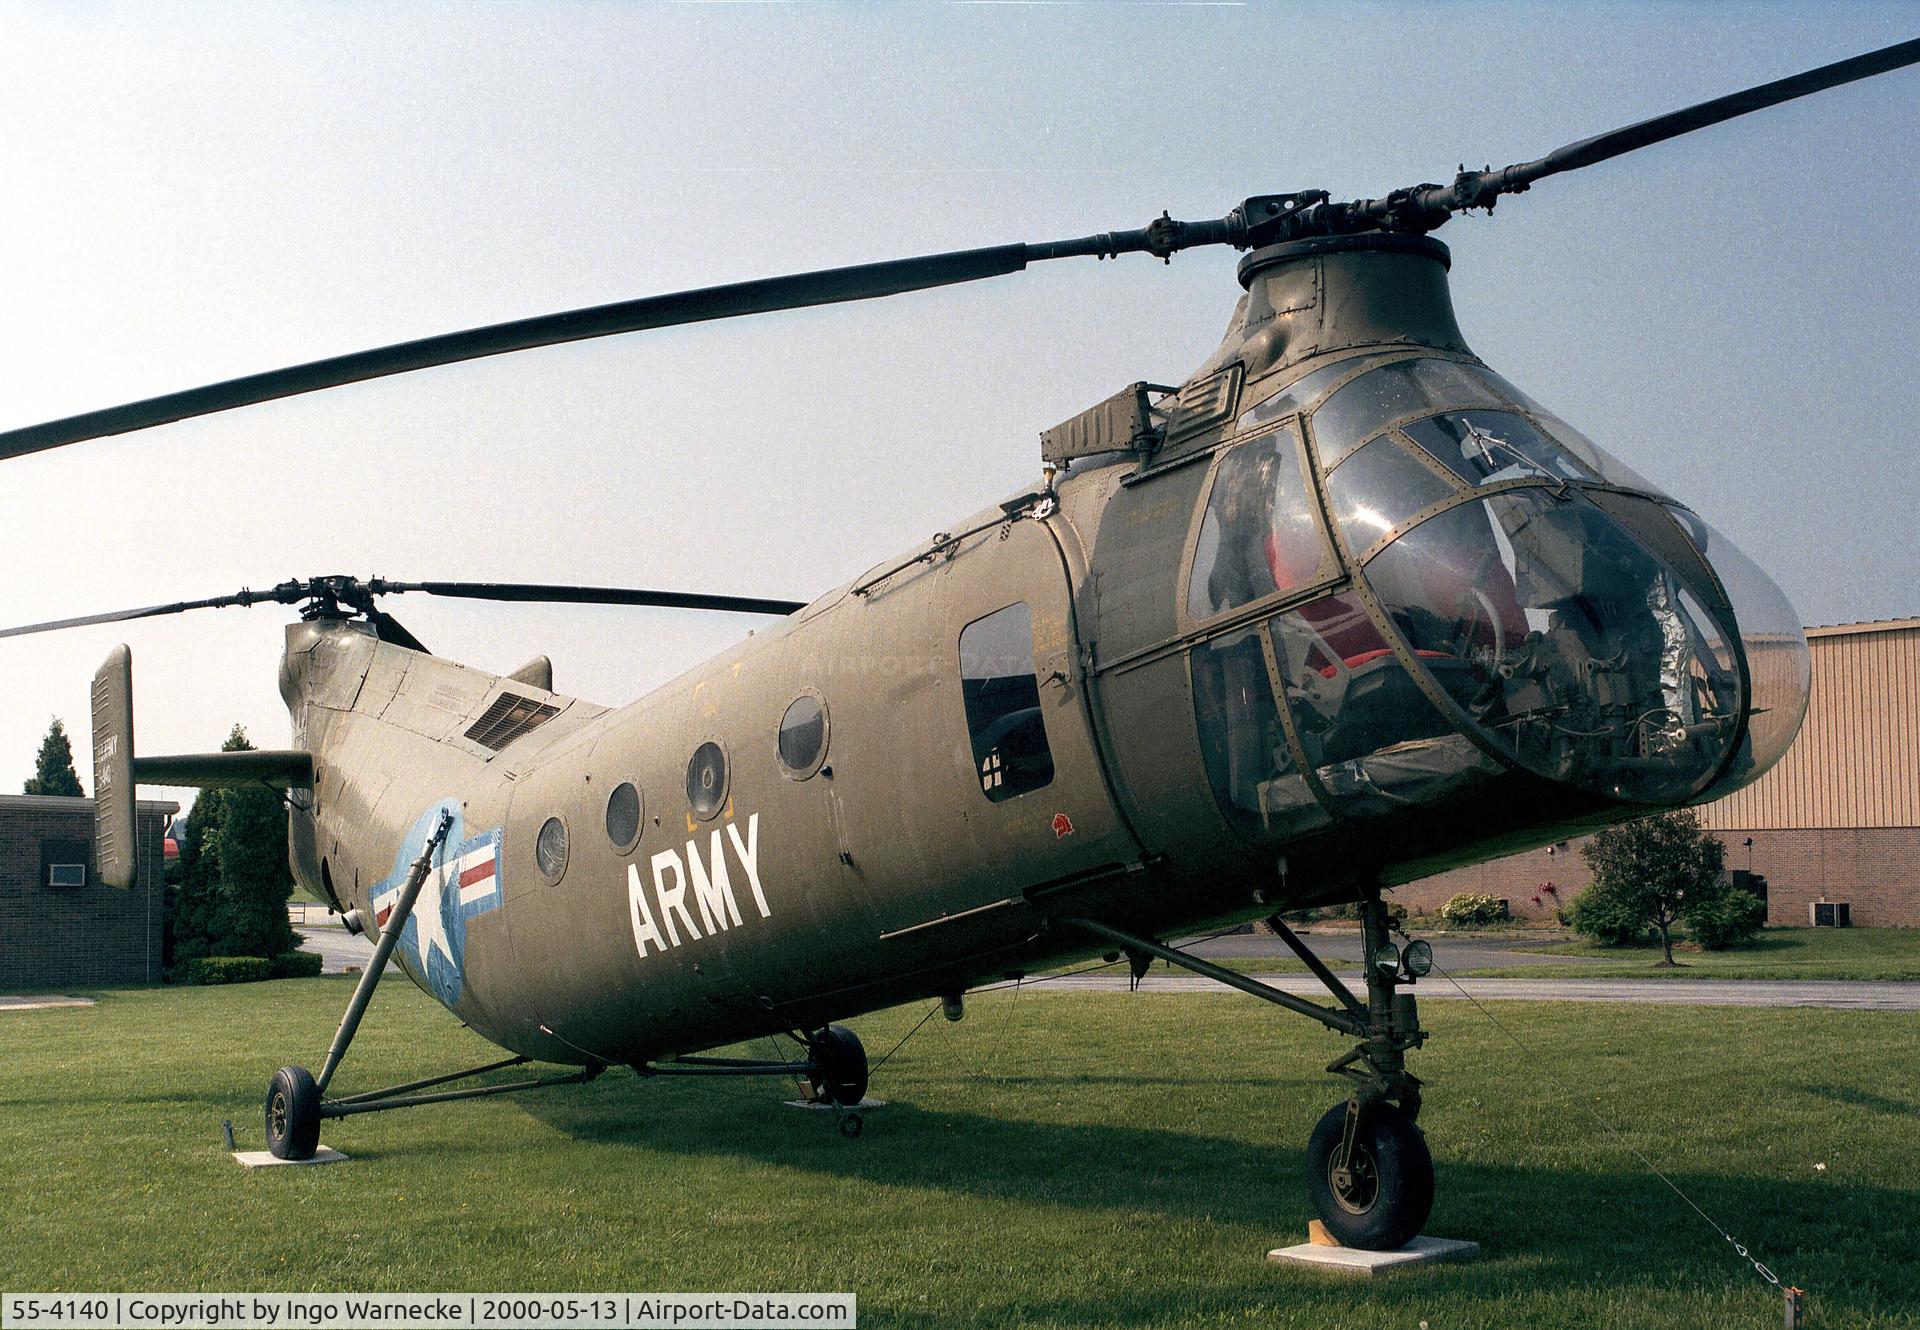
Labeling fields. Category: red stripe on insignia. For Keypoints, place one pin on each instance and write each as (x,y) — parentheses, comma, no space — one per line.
(478,873)
(385,913)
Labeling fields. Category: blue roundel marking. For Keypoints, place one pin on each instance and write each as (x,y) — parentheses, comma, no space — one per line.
(463,882)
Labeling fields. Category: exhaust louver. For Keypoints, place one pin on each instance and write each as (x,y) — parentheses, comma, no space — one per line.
(510,716)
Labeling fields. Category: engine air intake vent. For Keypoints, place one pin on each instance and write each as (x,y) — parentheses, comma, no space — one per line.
(510,716)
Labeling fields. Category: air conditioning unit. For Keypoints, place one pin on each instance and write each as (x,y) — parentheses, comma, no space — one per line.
(1830,914)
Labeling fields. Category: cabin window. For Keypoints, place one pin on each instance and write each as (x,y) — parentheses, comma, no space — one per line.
(707,780)
(550,849)
(1002,697)
(802,743)
(623,816)
(1261,533)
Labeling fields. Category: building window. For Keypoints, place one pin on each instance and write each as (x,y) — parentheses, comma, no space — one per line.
(1002,697)
(63,863)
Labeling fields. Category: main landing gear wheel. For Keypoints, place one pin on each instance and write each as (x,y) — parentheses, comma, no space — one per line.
(293,1114)
(840,1066)
(1378,1197)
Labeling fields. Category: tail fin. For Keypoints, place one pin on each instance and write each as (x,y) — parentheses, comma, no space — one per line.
(113,794)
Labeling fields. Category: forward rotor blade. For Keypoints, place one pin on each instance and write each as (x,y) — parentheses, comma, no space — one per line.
(1428,206)
(540,593)
(1684,121)
(798,290)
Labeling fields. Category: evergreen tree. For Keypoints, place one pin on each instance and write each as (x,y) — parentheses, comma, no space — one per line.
(53,772)
(234,879)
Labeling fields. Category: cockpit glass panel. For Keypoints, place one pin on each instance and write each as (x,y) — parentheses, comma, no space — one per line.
(1302,395)
(1779,666)
(1392,393)
(1377,489)
(1576,649)
(1374,740)
(1597,459)
(1261,533)
(1485,447)
(1248,762)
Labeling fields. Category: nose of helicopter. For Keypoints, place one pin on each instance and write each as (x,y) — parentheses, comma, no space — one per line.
(1602,639)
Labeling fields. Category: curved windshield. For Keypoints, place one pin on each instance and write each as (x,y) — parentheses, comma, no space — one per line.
(1778,662)
(1578,651)
(1374,740)
(1485,447)
(1377,489)
(1393,392)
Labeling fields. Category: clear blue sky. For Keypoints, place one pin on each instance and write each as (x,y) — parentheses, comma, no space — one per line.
(197,192)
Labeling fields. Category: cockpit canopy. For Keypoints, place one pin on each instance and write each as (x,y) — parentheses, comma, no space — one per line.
(1519,597)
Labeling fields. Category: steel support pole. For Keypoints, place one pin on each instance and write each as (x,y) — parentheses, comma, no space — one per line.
(389,938)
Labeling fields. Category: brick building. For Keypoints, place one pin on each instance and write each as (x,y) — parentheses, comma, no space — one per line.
(59,924)
(1837,820)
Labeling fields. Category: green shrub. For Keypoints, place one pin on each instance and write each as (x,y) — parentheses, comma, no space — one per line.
(225,970)
(294,965)
(1472,909)
(1731,919)
(1610,917)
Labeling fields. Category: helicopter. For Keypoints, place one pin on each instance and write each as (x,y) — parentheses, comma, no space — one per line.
(1343,609)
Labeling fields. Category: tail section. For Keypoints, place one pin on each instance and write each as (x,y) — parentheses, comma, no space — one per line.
(113,768)
(116,771)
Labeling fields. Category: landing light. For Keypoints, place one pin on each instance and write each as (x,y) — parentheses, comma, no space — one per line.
(1419,958)
(1387,957)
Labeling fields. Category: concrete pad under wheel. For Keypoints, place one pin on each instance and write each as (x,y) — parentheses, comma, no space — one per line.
(267,1159)
(1353,1261)
(823,1106)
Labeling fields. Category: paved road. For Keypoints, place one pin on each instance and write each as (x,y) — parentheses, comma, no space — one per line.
(341,952)
(1687,992)
(1341,949)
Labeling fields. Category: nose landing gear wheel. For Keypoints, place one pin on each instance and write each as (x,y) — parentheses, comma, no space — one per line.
(840,1062)
(1381,1193)
(293,1114)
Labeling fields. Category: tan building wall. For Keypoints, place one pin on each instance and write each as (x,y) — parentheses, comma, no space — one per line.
(1837,819)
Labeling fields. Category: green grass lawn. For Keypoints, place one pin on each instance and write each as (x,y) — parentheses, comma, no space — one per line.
(1056,1160)
(1779,953)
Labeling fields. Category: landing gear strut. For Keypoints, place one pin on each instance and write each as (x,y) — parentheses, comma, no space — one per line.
(1369,1172)
(296,1100)
(835,1070)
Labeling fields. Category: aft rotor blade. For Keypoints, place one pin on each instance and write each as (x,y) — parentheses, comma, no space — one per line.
(120,616)
(540,593)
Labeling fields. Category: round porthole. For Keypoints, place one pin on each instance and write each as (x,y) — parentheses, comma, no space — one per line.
(707,780)
(550,850)
(623,816)
(803,737)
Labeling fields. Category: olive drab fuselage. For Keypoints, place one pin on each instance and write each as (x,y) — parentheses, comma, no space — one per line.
(1357,611)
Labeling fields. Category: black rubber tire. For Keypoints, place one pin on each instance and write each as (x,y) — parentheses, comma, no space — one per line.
(293,1114)
(851,1125)
(1392,1153)
(842,1062)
